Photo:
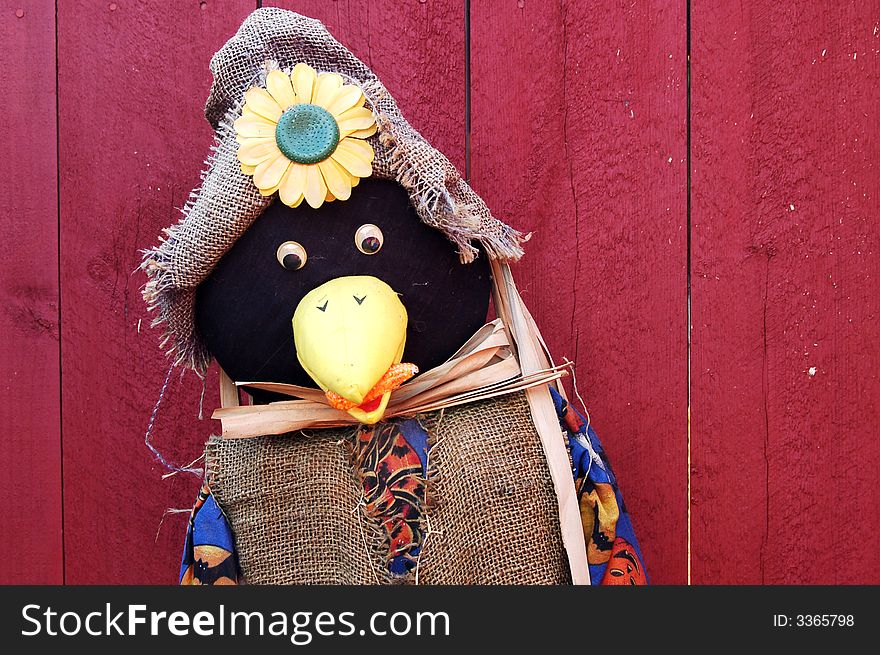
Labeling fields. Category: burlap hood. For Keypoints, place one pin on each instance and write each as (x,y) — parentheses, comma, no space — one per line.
(224,206)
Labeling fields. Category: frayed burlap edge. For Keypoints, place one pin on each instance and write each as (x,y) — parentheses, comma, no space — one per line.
(222,208)
(175,266)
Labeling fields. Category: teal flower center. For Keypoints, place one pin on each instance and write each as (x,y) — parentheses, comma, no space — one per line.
(307,134)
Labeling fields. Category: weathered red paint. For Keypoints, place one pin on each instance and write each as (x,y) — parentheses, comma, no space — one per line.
(131,84)
(786,258)
(578,134)
(30,445)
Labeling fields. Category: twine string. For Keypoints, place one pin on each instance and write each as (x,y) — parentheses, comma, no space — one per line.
(148,436)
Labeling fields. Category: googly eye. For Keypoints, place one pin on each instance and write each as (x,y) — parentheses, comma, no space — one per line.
(291,255)
(368,239)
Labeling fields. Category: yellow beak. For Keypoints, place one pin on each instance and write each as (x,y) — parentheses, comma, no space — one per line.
(348,333)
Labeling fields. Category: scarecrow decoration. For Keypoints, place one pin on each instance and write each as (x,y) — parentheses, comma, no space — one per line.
(339,270)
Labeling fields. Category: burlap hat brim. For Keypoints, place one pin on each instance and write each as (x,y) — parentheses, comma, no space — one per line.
(227,202)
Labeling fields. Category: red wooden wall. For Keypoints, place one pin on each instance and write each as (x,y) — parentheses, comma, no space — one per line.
(785,268)
(30,446)
(574,121)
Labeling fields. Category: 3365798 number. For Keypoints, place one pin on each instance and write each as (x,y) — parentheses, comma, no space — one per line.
(813,620)
(823,620)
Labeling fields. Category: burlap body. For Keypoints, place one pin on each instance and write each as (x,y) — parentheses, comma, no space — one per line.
(491,515)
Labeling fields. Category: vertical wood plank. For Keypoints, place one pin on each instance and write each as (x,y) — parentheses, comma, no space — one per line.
(133,78)
(416,47)
(786,259)
(30,420)
(578,125)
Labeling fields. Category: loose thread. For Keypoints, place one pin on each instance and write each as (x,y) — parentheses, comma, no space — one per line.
(574,386)
(169,510)
(594,456)
(188,467)
(202,398)
(362,503)
(149,433)
(428,533)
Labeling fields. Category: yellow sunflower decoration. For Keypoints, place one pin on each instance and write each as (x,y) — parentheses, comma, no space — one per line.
(304,136)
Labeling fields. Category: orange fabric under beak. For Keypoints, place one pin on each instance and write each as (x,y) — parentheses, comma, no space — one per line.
(395,376)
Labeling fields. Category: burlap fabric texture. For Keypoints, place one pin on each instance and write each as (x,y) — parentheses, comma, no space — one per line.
(227,202)
(294,504)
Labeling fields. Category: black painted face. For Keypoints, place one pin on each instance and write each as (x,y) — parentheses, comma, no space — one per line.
(245,306)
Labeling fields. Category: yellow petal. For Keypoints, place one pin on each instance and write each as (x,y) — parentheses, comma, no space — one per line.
(357,112)
(360,147)
(363,134)
(316,190)
(349,97)
(355,167)
(262,103)
(256,151)
(254,127)
(254,140)
(280,88)
(350,126)
(329,197)
(359,118)
(355,180)
(268,174)
(247,112)
(304,78)
(353,157)
(248,170)
(326,89)
(336,178)
(293,185)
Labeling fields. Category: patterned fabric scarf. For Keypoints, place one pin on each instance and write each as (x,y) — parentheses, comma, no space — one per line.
(392,463)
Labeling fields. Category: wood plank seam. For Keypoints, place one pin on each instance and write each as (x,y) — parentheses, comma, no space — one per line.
(688,207)
(60,325)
